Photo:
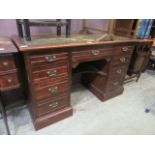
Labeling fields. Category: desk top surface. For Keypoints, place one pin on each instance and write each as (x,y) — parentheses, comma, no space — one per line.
(6,46)
(46,42)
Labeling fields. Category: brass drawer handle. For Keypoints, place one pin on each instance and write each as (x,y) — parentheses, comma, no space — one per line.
(52,73)
(115,83)
(119,71)
(9,80)
(124,49)
(95,52)
(5,64)
(53,105)
(53,89)
(50,58)
(123,60)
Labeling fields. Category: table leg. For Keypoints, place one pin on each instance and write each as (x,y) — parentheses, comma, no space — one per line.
(4,115)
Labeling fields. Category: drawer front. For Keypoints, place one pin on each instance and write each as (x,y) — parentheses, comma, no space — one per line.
(118,71)
(7,63)
(121,60)
(9,81)
(50,72)
(51,90)
(115,83)
(44,59)
(91,54)
(52,106)
(124,50)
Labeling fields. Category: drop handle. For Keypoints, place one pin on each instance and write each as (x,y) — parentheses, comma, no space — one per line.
(52,73)
(53,89)
(115,83)
(9,80)
(123,60)
(53,105)
(5,64)
(95,52)
(119,71)
(50,58)
(124,49)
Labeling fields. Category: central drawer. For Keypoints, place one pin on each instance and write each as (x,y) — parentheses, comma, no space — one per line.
(88,55)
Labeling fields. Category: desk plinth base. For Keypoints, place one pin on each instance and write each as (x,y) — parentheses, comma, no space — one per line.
(51,118)
(103,96)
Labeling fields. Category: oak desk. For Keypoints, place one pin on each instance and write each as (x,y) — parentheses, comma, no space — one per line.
(51,62)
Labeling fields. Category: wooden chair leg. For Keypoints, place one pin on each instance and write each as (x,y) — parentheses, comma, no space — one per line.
(58,28)
(68,27)
(19,28)
(4,115)
(27,29)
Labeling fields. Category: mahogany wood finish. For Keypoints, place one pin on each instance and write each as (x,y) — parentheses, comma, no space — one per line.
(9,75)
(49,70)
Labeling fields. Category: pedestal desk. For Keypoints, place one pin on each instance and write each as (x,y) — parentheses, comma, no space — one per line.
(51,62)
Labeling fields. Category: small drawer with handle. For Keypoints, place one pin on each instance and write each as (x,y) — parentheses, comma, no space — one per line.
(121,60)
(9,81)
(44,59)
(113,84)
(7,63)
(51,91)
(50,72)
(123,50)
(52,106)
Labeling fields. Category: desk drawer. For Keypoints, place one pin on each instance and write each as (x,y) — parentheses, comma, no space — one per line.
(125,50)
(121,60)
(52,106)
(9,81)
(44,59)
(114,83)
(50,72)
(7,63)
(118,71)
(51,90)
(91,54)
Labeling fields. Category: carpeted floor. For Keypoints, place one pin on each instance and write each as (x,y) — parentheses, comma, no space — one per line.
(121,115)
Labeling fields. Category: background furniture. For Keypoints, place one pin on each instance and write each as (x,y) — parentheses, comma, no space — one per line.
(10,84)
(26,23)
